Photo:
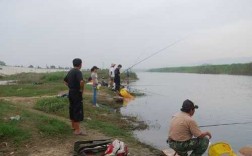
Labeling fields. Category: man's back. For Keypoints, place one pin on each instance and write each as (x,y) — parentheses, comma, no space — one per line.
(73,79)
(183,127)
(117,73)
(184,133)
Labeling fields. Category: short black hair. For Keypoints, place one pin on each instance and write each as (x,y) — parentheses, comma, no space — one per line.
(93,68)
(77,62)
(119,66)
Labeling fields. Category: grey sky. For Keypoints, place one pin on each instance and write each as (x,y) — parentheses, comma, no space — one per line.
(41,32)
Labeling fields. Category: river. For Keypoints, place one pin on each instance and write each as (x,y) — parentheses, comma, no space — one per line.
(221,99)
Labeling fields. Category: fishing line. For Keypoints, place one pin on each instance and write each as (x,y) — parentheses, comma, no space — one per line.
(227,124)
(155,53)
(148,57)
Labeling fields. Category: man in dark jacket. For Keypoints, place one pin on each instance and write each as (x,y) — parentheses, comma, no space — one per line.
(117,79)
(75,83)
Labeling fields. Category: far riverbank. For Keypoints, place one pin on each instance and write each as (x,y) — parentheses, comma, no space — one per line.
(230,69)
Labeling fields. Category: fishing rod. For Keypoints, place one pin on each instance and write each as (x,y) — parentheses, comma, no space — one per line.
(226,124)
(155,53)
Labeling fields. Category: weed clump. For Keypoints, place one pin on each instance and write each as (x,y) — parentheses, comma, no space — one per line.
(52,105)
(52,127)
(11,130)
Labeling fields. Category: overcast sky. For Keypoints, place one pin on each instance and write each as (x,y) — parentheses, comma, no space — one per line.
(102,32)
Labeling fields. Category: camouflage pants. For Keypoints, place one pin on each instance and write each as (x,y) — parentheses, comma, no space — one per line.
(198,146)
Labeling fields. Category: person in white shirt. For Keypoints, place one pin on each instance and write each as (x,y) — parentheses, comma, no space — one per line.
(111,75)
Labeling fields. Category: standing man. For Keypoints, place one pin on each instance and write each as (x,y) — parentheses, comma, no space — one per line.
(75,83)
(184,133)
(111,75)
(94,77)
(117,78)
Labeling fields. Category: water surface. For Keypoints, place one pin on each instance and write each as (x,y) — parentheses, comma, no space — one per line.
(221,99)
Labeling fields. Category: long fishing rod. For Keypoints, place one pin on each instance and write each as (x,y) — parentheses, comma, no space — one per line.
(227,124)
(155,53)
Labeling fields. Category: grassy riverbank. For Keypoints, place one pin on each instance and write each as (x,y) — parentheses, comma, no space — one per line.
(44,128)
(232,69)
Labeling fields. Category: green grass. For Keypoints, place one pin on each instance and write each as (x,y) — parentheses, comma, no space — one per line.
(29,90)
(11,130)
(30,78)
(38,84)
(109,129)
(102,119)
(232,69)
(47,126)
(54,77)
(5,108)
(30,124)
(53,105)
(52,127)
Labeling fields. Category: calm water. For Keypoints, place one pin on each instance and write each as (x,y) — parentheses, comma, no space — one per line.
(221,99)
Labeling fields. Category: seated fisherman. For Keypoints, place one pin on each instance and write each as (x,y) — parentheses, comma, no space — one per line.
(184,133)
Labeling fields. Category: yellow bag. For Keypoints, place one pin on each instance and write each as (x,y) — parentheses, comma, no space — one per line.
(124,93)
(220,149)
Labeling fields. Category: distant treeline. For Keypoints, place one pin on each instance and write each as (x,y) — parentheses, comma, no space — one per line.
(232,69)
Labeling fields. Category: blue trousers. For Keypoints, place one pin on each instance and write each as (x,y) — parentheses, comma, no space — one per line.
(94,95)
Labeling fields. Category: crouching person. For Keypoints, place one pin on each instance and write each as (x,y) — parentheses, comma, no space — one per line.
(184,133)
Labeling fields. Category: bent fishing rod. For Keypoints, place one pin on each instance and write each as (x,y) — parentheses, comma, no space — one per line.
(227,124)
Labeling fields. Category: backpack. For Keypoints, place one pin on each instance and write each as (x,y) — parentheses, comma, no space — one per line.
(91,147)
(117,148)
